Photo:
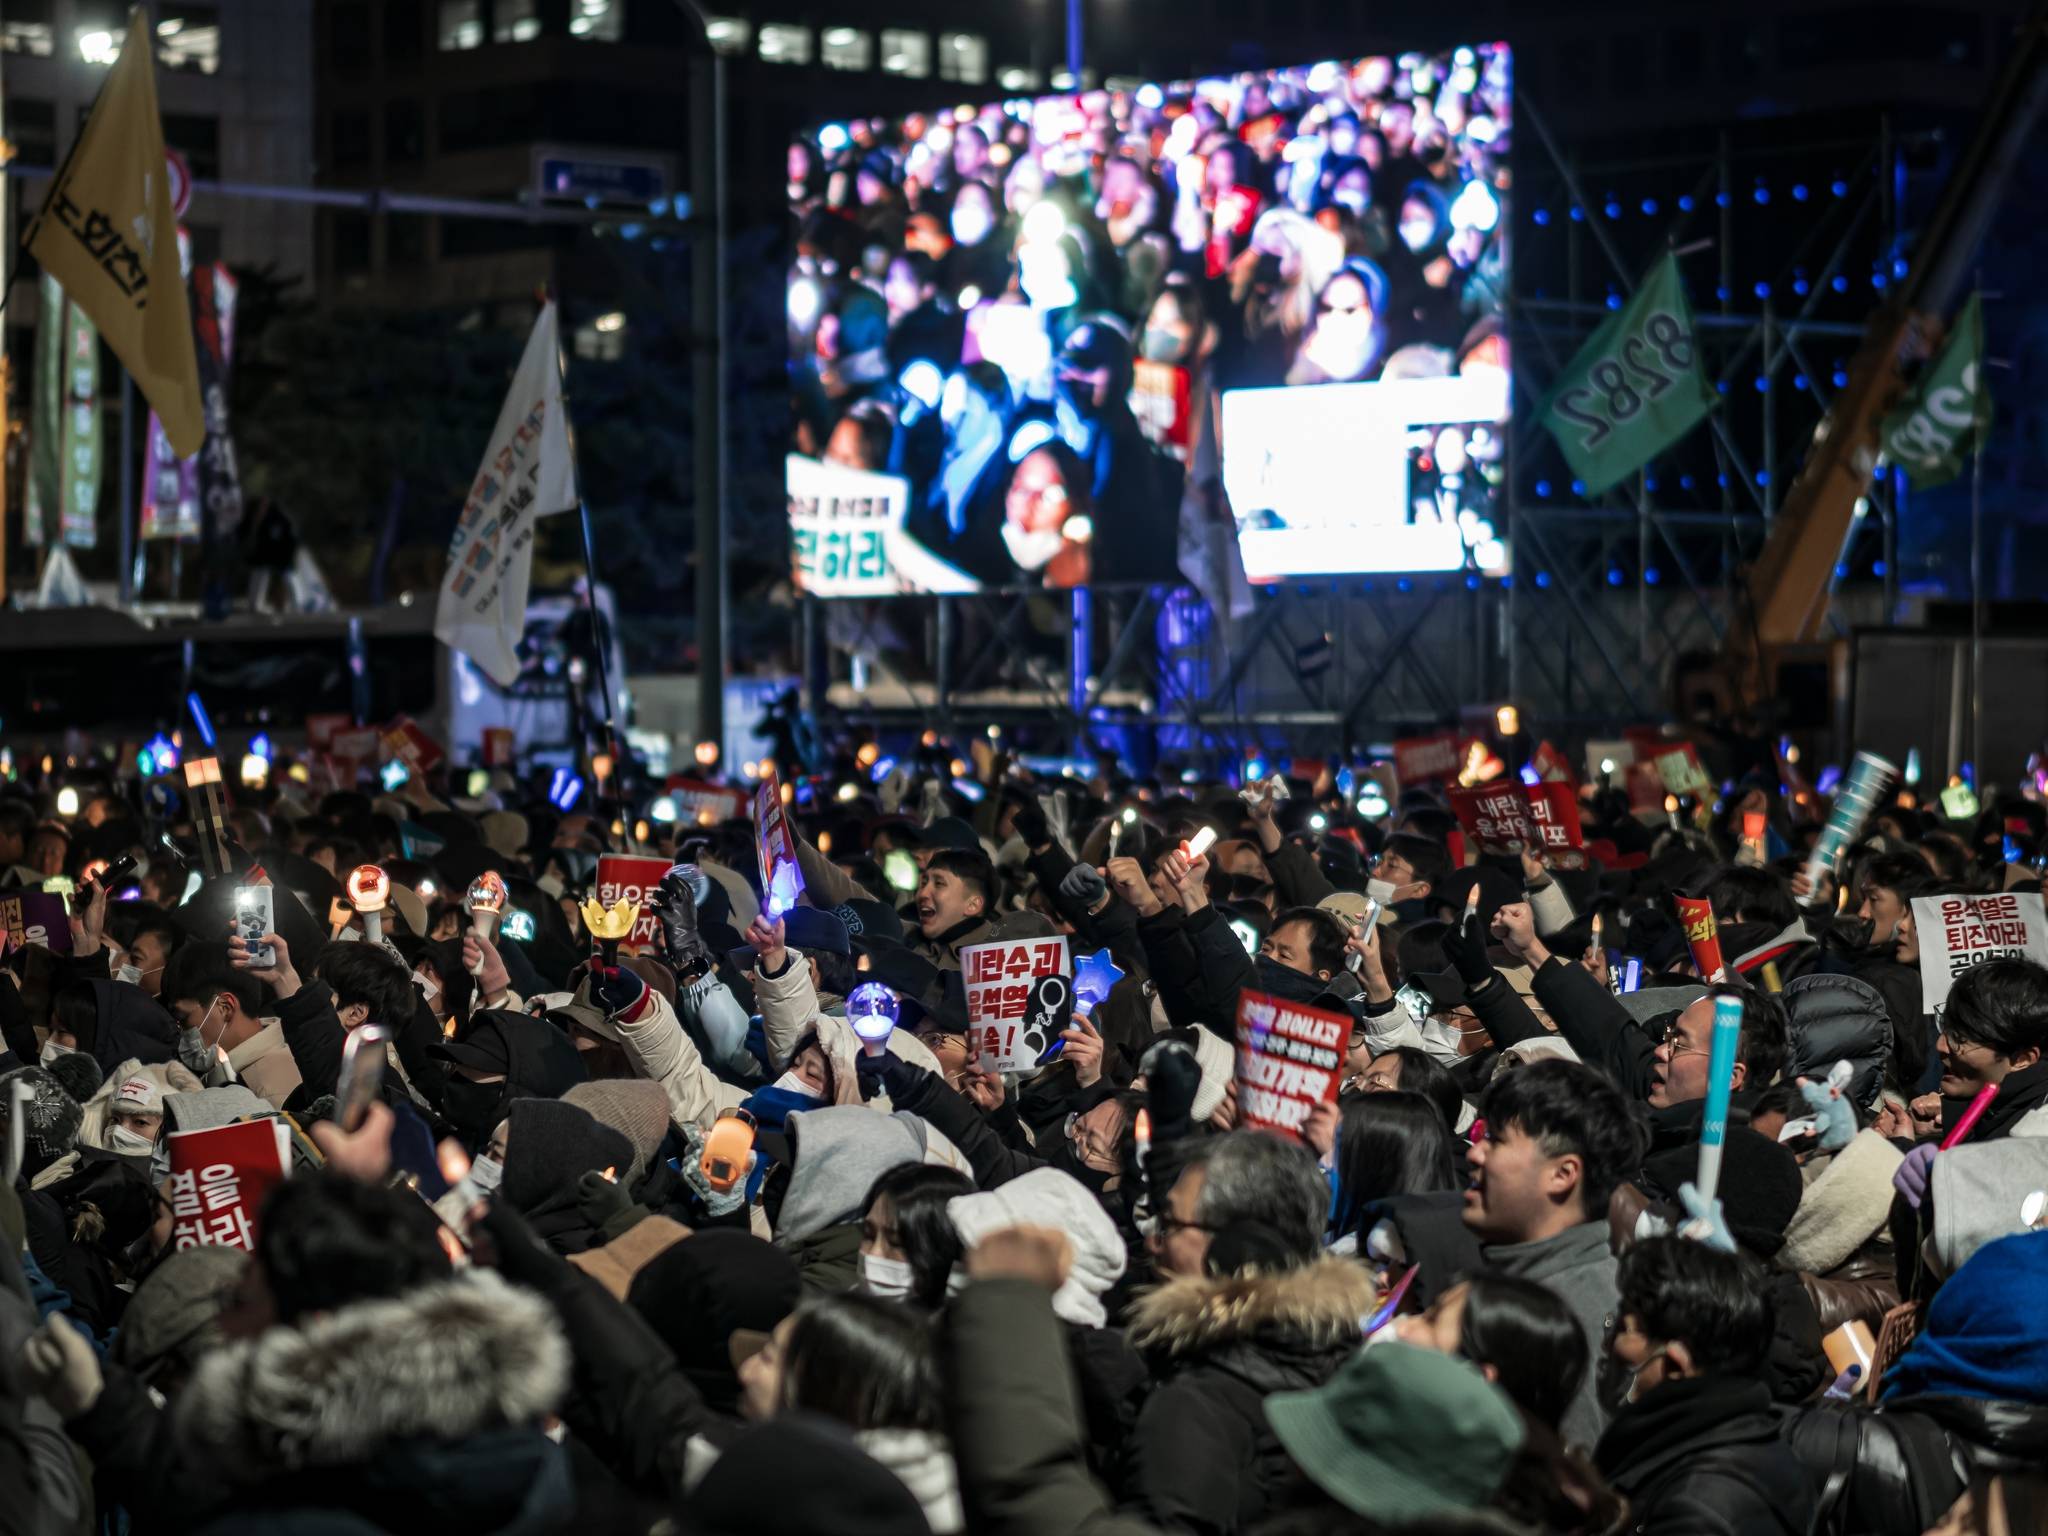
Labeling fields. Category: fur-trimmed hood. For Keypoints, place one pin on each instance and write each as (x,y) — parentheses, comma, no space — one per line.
(1315,1308)
(448,1361)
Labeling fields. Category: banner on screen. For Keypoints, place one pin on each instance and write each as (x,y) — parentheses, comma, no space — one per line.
(1078,302)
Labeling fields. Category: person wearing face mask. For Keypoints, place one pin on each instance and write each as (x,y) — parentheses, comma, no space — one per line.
(835,1154)
(908,1245)
(147,938)
(222,1011)
(1694,1444)
(1048,527)
(1347,339)
(127,1114)
(1131,486)
(498,1058)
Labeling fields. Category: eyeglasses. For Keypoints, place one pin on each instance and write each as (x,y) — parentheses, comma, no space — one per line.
(1168,1224)
(1672,1040)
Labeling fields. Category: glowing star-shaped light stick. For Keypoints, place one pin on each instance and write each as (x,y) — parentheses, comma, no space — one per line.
(486,899)
(784,886)
(1094,975)
(610,925)
(872,1009)
(369,888)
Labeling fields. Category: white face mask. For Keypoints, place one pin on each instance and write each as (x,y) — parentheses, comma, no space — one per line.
(128,972)
(1031,551)
(429,988)
(789,1082)
(121,1139)
(1380,891)
(486,1173)
(970,225)
(52,1050)
(890,1279)
(1416,233)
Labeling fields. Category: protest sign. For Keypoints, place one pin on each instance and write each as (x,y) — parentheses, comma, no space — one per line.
(999,977)
(846,526)
(36,917)
(781,880)
(1957,932)
(1702,935)
(219,1179)
(1289,1059)
(322,729)
(1161,401)
(635,878)
(1680,769)
(1551,765)
(406,740)
(1506,817)
(697,801)
(500,746)
(1429,759)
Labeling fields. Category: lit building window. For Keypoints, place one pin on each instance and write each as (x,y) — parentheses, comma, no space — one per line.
(602,340)
(846,48)
(32,35)
(461,25)
(906,53)
(96,45)
(963,56)
(515,21)
(597,21)
(783,44)
(1014,77)
(188,37)
(729,34)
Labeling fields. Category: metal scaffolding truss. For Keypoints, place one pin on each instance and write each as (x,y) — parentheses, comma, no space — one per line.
(1607,595)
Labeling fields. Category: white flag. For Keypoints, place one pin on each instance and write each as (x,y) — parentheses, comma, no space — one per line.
(527,473)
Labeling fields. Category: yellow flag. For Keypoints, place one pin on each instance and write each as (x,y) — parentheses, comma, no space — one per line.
(106,231)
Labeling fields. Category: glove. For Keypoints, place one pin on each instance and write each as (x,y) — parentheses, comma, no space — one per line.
(1911,1178)
(60,1364)
(617,990)
(1032,826)
(887,1074)
(606,1205)
(1705,1221)
(675,904)
(1172,1079)
(1465,948)
(692,1165)
(718,1015)
(1085,885)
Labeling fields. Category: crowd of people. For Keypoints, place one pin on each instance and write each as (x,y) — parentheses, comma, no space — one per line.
(743,1233)
(1029,310)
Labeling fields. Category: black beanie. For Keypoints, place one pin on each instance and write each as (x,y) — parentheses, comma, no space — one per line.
(1759,1190)
(77,1074)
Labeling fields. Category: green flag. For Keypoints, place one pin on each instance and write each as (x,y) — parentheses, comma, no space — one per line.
(1634,389)
(1947,412)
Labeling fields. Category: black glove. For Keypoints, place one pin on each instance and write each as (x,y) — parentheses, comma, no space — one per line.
(886,1073)
(1465,947)
(675,904)
(1172,1079)
(1084,883)
(1031,825)
(606,1205)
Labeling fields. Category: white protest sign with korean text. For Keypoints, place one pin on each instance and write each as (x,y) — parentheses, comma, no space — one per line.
(1957,932)
(846,526)
(998,978)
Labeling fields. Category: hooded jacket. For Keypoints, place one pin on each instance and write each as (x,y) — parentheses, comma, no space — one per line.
(170,1077)
(129,1025)
(406,1413)
(1702,1456)
(1838,1018)
(1202,1456)
(790,1010)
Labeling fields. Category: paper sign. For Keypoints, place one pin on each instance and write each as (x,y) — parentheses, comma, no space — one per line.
(1600,754)
(356,746)
(1957,932)
(632,877)
(1681,771)
(1429,759)
(1289,1060)
(36,917)
(704,803)
(405,740)
(219,1179)
(781,880)
(998,977)
(321,730)
(1702,935)
(499,746)
(1551,765)
(1506,817)
(1160,398)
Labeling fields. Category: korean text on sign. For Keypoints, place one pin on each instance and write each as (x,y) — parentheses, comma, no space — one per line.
(998,978)
(1958,932)
(219,1180)
(1289,1060)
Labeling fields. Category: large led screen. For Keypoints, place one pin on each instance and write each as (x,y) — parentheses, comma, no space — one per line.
(1072,339)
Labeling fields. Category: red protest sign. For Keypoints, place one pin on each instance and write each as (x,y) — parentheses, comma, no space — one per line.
(1495,817)
(1551,765)
(1289,1059)
(499,746)
(219,1179)
(704,803)
(1554,818)
(1429,759)
(998,978)
(36,917)
(1160,398)
(632,877)
(781,881)
(1702,935)
(355,745)
(321,729)
(405,740)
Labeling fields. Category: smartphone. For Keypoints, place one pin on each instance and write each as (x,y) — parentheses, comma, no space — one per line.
(724,1162)
(254,917)
(117,873)
(362,1074)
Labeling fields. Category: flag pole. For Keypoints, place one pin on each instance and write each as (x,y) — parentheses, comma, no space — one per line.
(1977,580)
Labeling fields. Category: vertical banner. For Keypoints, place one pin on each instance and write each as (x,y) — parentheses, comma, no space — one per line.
(1289,1058)
(170,489)
(44,498)
(999,978)
(219,1179)
(83,434)
(214,292)
(1957,932)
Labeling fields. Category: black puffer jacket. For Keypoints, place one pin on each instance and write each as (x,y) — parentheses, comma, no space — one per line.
(1895,1470)
(1702,1457)
(1838,1018)
(1202,1457)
